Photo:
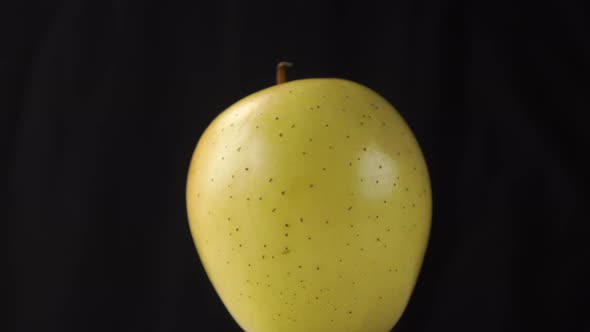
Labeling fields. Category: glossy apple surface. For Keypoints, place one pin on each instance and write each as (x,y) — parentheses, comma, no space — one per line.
(310,206)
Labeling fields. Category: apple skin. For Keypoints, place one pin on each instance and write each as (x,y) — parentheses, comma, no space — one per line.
(310,206)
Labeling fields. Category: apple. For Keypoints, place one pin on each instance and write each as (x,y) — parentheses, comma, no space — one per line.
(309,203)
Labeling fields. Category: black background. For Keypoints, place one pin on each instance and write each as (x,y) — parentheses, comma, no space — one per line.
(102,103)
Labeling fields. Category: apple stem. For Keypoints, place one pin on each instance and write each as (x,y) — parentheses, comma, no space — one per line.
(281,71)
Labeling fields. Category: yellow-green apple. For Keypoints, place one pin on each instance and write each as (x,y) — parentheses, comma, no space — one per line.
(310,206)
